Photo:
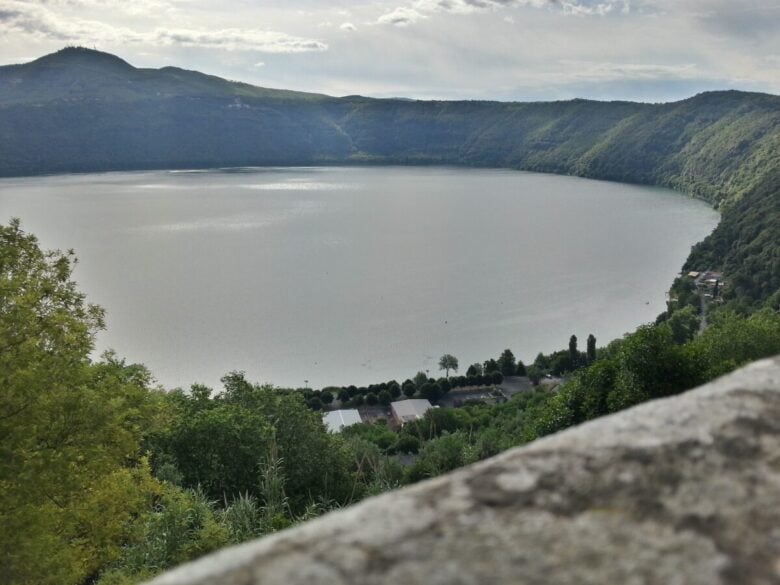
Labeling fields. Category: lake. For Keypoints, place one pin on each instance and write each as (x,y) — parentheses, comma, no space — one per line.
(356,275)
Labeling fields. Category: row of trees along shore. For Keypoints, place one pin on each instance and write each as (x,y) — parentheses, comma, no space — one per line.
(108,479)
(490,373)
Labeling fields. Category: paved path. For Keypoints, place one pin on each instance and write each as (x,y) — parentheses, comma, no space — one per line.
(703,301)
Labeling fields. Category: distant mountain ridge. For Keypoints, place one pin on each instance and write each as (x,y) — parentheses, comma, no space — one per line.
(77,73)
(84,110)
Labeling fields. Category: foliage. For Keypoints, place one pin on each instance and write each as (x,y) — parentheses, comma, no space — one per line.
(507,364)
(448,362)
(181,526)
(219,443)
(656,361)
(746,246)
(69,429)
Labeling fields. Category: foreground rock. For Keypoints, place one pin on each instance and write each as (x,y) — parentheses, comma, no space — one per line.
(678,491)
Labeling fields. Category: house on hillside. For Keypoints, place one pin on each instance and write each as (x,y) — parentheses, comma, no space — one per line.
(336,420)
(405,411)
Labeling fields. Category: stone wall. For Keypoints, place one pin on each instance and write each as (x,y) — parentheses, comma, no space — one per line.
(684,490)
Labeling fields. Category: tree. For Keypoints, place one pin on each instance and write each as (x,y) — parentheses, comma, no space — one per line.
(448,362)
(506,363)
(326,397)
(371,399)
(219,448)
(409,388)
(431,391)
(574,355)
(407,443)
(542,361)
(474,370)
(591,348)
(70,429)
(535,374)
(420,378)
(520,368)
(560,362)
(651,365)
(394,388)
(684,323)
(385,398)
(490,366)
(445,453)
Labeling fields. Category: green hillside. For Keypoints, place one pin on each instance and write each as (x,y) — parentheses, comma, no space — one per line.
(80,110)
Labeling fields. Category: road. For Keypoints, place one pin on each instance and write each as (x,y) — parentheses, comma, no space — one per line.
(703,300)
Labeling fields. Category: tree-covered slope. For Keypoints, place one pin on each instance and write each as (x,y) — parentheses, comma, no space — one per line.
(79,110)
(746,246)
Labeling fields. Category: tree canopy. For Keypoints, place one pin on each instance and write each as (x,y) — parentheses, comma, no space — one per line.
(448,362)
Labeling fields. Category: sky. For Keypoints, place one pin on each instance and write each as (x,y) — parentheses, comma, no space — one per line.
(640,50)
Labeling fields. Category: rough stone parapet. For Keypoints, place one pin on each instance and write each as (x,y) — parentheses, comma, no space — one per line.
(684,490)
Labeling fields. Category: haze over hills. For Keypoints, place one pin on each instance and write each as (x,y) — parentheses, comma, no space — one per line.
(84,110)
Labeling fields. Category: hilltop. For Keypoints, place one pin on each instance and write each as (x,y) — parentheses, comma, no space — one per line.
(79,74)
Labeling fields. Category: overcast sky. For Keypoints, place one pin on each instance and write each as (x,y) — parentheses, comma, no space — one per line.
(649,50)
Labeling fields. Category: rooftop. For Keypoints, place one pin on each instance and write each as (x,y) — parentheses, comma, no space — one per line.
(412,409)
(336,420)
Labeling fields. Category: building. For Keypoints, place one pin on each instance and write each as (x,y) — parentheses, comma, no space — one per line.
(336,420)
(405,411)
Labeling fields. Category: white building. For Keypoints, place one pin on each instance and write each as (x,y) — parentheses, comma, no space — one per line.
(405,411)
(336,420)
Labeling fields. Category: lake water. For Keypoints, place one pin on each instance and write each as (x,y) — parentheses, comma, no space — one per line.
(357,275)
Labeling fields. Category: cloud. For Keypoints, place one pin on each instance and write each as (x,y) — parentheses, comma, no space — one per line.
(348,26)
(134,7)
(233,39)
(401,16)
(420,9)
(606,71)
(39,22)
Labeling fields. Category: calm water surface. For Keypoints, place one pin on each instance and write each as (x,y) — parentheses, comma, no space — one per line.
(357,275)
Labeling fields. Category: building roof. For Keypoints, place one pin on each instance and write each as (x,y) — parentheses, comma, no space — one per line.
(336,420)
(409,410)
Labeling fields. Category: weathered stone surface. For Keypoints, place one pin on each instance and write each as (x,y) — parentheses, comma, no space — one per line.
(678,491)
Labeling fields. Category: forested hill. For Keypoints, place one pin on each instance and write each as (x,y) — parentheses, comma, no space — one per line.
(83,110)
